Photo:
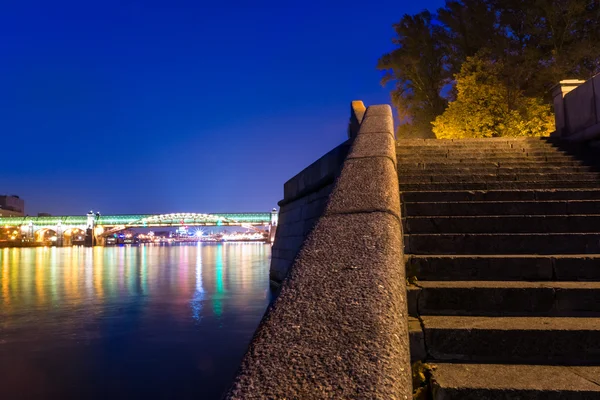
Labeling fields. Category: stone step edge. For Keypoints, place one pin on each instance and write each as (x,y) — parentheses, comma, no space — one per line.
(452,381)
(506,223)
(504,298)
(524,340)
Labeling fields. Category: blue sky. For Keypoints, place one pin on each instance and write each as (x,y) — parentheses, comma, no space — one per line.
(173,106)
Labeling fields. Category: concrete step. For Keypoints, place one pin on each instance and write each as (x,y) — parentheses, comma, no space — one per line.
(475,143)
(476,157)
(506,298)
(503,224)
(448,142)
(489,169)
(481,208)
(500,195)
(452,165)
(513,267)
(502,243)
(504,382)
(519,340)
(469,152)
(469,177)
(416,340)
(420,187)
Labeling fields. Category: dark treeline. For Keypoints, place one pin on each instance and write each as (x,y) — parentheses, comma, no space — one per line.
(517,49)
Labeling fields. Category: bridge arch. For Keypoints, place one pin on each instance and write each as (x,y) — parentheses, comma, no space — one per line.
(75,233)
(45,234)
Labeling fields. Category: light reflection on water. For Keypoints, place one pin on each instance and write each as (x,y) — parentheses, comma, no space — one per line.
(127,322)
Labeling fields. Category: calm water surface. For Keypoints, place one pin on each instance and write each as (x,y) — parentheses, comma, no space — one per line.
(166,322)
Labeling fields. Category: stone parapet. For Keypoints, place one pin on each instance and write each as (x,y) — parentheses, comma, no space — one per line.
(339,327)
(305,198)
(577,109)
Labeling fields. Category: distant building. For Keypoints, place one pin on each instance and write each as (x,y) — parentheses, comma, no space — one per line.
(9,213)
(11,206)
(44,215)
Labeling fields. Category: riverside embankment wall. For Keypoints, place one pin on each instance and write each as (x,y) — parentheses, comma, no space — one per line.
(338,328)
(304,200)
(305,197)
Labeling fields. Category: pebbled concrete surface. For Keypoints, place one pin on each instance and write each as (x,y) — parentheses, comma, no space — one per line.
(373,145)
(357,191)
(339,328)
(335,330)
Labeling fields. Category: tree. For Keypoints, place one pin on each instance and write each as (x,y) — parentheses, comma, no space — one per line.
(417,67)
(549,40)
(486,106)
(537,43)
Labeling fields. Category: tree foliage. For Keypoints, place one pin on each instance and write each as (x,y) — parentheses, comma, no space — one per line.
(417,68)
(486,107)
(536,42)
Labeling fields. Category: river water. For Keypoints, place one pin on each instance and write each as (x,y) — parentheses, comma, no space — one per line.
(152,322)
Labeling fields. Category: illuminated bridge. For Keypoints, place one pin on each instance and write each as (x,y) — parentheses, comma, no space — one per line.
(96,226)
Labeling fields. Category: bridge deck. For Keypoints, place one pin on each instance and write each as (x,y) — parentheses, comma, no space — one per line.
(143,220)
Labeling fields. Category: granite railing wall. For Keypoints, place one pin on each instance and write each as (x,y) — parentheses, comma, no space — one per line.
(338,328)
(304,200)
(305,197)
(577,109)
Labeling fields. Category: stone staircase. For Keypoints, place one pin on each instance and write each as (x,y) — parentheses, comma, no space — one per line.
(502,247)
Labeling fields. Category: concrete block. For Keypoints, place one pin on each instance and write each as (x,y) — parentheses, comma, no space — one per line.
(482,268)
(452,381)
(292,214)
(288,247)
(365,185)
(314,209)
(296,203)
(492,208)
(373,145)
(309,224)
(486,298)
(503,224)
(377,124)
(577,268)
(357,112)
(296,228)
(279,269)
(321,170)
(480,243)
(568,341)
(412,296)
(417,340)
(578,298)
(322,193)
(405,187)
(339,327)
(378,110)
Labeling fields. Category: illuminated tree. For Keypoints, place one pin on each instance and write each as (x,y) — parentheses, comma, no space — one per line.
(537,42)
(486,106)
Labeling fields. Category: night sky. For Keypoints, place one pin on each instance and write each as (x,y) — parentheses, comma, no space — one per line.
(179,106)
